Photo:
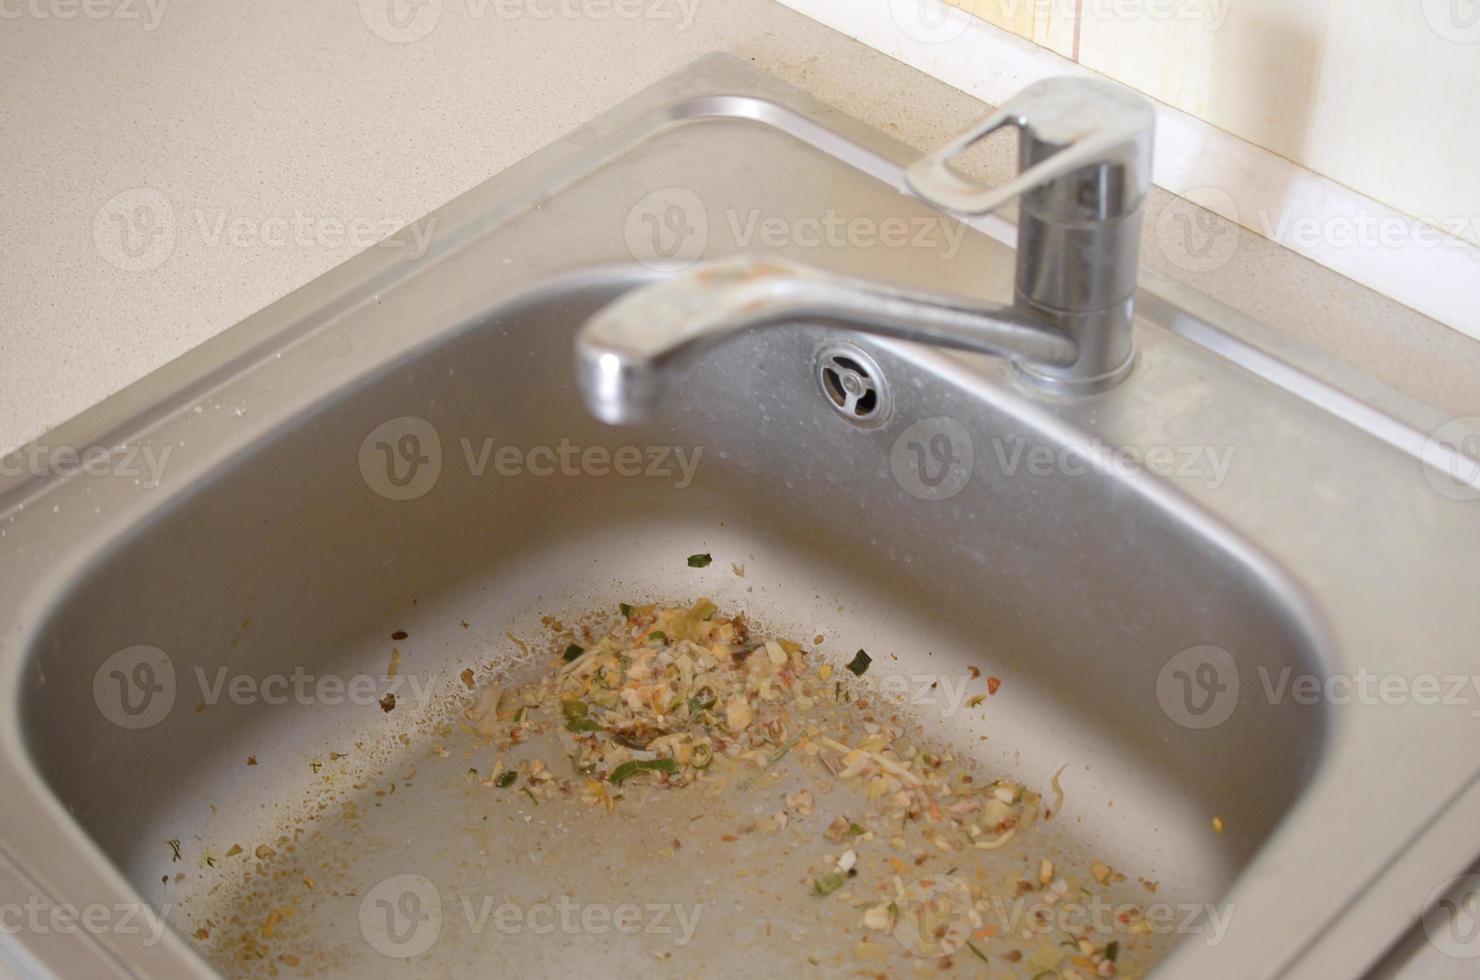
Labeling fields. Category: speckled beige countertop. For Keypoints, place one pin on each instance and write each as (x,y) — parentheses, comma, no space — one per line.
(268,125)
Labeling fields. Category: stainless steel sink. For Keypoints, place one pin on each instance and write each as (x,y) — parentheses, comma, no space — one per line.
(1159,574)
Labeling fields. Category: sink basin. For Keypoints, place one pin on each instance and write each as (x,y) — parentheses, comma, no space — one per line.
(1158,575)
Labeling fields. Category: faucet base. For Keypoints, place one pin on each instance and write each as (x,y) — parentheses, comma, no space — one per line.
(1059,384)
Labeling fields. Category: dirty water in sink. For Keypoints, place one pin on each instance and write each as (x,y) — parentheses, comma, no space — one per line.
(406,847)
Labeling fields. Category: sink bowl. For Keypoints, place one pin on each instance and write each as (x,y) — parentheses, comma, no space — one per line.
(388,477)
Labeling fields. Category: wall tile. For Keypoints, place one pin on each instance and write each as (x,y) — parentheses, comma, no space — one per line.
(1381,96)
(1046,22)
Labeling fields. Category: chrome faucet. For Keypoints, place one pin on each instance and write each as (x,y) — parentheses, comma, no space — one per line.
(1084,173)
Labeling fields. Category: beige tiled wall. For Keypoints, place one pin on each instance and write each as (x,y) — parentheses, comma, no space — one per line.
(1048,24)
(1380,95)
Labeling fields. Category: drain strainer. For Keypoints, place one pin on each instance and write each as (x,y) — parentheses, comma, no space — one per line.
(853,384)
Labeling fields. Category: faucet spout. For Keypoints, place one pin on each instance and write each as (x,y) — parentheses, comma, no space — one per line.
(625,352)
(1084,173)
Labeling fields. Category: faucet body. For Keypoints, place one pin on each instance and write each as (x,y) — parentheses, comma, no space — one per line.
(1084,170)
(1084,173)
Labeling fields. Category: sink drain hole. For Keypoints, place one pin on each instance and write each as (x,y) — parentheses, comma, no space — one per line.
(852,383)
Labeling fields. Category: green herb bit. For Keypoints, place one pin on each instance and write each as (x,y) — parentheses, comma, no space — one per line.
(626,610)
(507,779)
(776,757)
(859,663)
(700,561)
(658,635)
(634,766)
(828,883)
(532,798)
(979,954)
(573,651)
(1112,951)
(577,717)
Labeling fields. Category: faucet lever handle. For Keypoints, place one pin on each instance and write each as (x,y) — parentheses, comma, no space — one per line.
(1066,126)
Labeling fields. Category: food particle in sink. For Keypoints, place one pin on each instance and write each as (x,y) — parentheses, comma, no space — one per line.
(671,698)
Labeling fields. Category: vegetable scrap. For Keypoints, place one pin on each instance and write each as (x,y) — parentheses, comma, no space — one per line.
(673,697)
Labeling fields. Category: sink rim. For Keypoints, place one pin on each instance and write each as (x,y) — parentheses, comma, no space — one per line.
(735,91)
